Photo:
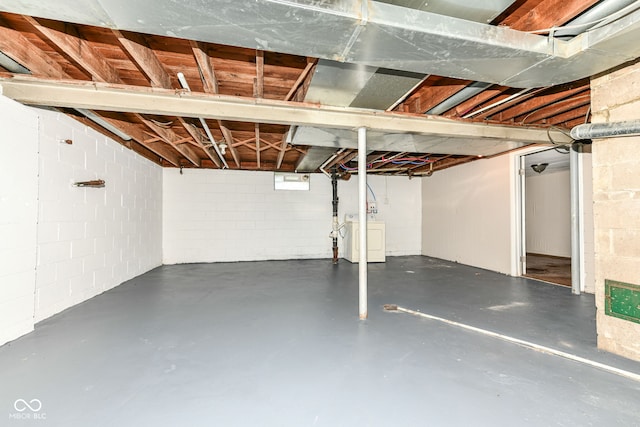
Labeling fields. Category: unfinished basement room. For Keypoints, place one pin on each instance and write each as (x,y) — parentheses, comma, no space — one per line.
(320,213)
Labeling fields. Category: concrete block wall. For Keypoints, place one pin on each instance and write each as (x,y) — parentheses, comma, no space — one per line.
(92,239)
(399,206)
(616,191)
(212,216)
(18,217)
(215,216)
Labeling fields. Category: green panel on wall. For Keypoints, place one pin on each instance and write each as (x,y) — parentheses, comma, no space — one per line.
(622,300)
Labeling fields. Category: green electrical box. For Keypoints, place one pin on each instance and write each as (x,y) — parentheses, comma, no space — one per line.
(622,300)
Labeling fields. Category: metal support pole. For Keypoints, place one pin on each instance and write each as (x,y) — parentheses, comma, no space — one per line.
(574,167)
(335,226)
(362,216)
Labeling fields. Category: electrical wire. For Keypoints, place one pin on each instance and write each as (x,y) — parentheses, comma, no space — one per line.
(559,147)
(402,161)
(372,193)
(163,124)
(586,117)
(566,27)
(347,168)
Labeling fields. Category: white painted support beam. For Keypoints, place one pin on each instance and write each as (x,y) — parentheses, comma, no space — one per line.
(362,219)
(123,98)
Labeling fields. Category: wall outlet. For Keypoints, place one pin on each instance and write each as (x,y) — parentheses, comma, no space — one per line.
(372,207)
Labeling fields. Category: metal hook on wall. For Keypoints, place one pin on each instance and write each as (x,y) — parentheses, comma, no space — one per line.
(96,183)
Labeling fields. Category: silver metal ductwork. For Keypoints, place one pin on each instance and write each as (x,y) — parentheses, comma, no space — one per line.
(351,85)
(409,142)
(606,130)
(482,11)
(365,32)
(11,65)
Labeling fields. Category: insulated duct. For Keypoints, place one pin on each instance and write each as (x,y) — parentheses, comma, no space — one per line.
(367,33)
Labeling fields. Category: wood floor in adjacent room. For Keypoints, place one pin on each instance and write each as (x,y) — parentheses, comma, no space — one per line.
(549,268)
(279,343)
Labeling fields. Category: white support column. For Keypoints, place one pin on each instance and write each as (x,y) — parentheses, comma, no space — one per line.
(362,216)
(576,238)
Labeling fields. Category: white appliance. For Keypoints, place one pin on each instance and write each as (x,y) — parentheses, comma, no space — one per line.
(376,244)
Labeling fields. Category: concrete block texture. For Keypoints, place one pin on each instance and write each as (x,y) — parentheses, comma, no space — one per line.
(18,218)
(616,97)
(615,89)
(618,336)
(124,217)
(214,216)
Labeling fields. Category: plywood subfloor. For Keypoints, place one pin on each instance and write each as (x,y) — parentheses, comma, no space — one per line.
(549,268)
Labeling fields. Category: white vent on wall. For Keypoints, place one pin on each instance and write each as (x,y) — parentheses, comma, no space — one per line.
(291,181)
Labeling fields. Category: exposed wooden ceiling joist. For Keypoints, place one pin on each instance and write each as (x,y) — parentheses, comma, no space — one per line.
(546,98)
(18,47)
(557,108)
(171,138)
(205,67)
(303,76)
(67,39)
(283,149)
(259,80)
(547,14)
(433,91)
(257,127)
(228,137)
(139,135)
(144,57)
(197,136)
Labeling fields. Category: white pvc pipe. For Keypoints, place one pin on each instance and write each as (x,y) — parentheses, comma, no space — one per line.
(362,216)
(185,85)
(329,160)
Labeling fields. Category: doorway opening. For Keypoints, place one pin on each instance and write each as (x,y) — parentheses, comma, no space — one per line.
(546,216)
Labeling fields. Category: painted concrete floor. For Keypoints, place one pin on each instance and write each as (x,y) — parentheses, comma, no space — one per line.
(279,344)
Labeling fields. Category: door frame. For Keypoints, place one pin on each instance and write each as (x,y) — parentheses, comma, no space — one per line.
(518,261)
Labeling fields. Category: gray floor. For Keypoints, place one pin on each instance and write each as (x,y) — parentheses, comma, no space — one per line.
(279,344)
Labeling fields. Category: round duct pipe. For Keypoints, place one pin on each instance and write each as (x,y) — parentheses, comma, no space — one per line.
(605,130)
